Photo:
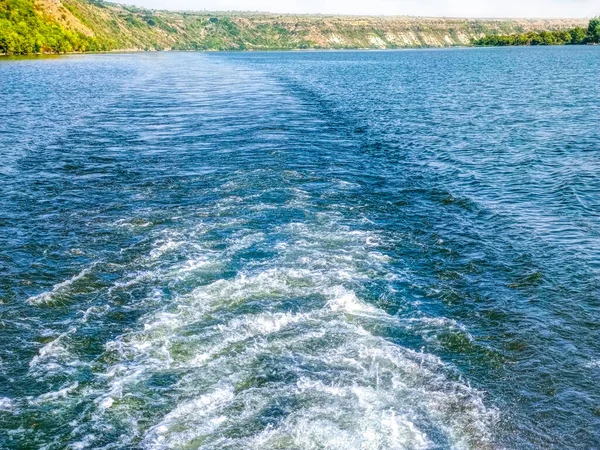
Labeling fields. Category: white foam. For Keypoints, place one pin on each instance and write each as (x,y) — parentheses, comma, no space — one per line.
(166,247)
(134,279)
(86,442)
(93,310)
(594,364)
(56,395)
(192,266)
(380,257)
(243,242)
(238,350)
(346,184)
(348,302)
(326,427)
(196,414)
(261,324)
(132,223)
(6,404)
(368,412)
(52,356)
(106,402)
(58,289)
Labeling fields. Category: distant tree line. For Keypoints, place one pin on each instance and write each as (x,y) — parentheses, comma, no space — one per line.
(24,30)
(574,36)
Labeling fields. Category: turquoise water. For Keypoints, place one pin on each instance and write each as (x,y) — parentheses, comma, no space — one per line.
(317,250)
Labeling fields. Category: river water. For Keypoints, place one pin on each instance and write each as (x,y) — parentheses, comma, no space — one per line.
(310,250)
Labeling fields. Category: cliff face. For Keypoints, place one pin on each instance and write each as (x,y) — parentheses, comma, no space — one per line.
(110,26)
(266,31)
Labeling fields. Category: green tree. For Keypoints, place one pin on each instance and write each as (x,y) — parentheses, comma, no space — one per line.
(593,32)
(578,35)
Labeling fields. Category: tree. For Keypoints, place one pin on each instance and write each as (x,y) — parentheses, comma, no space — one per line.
(578,35)
(593,32)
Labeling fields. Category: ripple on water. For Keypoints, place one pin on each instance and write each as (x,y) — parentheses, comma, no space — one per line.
(294,251)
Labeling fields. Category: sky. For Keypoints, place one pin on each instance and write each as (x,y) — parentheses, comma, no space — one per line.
(434,8)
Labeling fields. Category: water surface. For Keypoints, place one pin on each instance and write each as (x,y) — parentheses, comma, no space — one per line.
(319,250)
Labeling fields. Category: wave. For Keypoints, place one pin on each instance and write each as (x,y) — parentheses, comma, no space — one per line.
(247,370)
(60,289)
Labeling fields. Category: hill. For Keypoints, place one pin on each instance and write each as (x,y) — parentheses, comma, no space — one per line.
(56,26)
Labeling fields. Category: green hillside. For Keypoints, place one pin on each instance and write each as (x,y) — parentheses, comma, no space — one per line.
(58,26)
(24,28)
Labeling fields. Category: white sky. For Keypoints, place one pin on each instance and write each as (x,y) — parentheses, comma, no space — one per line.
(436,8)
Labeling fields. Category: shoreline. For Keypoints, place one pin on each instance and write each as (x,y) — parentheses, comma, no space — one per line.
(287,50)
(77,26)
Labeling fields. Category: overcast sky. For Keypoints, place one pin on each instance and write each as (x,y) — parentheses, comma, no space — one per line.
(438,8)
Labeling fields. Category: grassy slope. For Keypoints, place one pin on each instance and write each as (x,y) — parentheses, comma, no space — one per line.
(110,26)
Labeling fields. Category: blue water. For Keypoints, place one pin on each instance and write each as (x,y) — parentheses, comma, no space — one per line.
(319,250)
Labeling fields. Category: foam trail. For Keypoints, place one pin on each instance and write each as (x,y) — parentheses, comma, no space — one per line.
(344,387)
(253,374)
(242,298)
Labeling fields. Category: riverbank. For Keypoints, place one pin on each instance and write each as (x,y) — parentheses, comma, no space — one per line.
(67,26)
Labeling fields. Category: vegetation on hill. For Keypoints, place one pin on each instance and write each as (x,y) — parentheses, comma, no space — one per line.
(25,29)
(59,26)
(574,36)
